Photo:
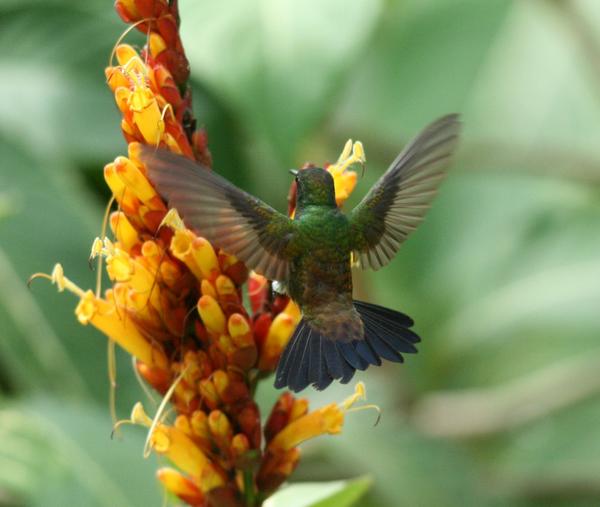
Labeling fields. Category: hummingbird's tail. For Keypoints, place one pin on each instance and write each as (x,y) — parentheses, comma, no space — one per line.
(312,358)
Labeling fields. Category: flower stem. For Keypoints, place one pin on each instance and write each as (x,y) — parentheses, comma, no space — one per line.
(249,489)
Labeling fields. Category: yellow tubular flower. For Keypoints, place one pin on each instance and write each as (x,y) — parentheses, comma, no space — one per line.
(212,315)
(179,485)
(279,334)
(184,453)
(328,419)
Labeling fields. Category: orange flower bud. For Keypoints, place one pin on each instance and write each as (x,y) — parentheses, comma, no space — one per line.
(137,182)
(208,289)
(182,451)
(156,44)
(279,334)
(104,316)
(126,234)
(181,486)
(182,423)
(280,415)
(248,419)
(199,423)
(220,429)
(239,330)
(239,446)
(205,257)
(209,393)
(211,315)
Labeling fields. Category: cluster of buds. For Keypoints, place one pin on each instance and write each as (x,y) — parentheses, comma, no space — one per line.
(176,302)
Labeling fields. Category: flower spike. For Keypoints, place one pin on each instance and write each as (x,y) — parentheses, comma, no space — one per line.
(177,302)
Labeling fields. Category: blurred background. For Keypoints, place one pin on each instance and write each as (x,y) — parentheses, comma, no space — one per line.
(502,405)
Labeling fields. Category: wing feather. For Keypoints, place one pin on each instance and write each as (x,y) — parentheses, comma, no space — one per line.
(228,217)
(398,202)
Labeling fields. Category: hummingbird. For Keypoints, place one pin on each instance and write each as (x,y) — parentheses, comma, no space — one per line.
(312,254)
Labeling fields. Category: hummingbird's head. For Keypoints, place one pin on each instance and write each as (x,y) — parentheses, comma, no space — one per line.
(314,186)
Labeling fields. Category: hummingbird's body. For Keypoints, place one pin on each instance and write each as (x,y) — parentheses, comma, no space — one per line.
(320,279)
(312,254)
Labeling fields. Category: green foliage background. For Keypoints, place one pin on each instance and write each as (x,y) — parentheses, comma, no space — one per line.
(501,407)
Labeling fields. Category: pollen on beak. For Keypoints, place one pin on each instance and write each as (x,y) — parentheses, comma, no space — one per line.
(294,172)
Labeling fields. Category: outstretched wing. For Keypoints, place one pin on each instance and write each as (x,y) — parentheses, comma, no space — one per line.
(217,210)
(397,203)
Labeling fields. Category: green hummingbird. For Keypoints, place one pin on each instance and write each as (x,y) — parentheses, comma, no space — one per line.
(311,255)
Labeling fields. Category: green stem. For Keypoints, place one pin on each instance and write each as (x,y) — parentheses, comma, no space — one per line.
(249,489)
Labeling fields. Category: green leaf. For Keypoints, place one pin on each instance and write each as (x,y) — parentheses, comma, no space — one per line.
(55,453)
(321,494)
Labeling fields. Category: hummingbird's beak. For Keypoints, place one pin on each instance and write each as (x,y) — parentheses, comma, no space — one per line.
(294,172)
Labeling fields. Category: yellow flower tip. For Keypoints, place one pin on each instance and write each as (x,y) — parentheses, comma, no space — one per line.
(209,393)
(104,315)
(172,143)
(126,234)
(134,150)
(220,380)
(122,99)
(156,44)
(240,444)
(176,483)
(181,243)
(113,181)
(219,425)
(293,310)
(134,179)
(212,315)
(238,326)
(128,57)
(299,409)
(345,152)
(199,423)
(353,153)
(160,441)
(208,289)
(359,152)
(173,221)
(182,423)
(147,116)
(184,453)
(115,78)
(327,420)
(277,338)
(225,286)
(119,266)
(205,257)
(87,308)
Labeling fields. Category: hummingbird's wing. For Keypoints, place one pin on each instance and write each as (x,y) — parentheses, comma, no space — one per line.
(217,210)
(397,203)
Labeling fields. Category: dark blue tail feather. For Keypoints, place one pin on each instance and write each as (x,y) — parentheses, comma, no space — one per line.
(311,358)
